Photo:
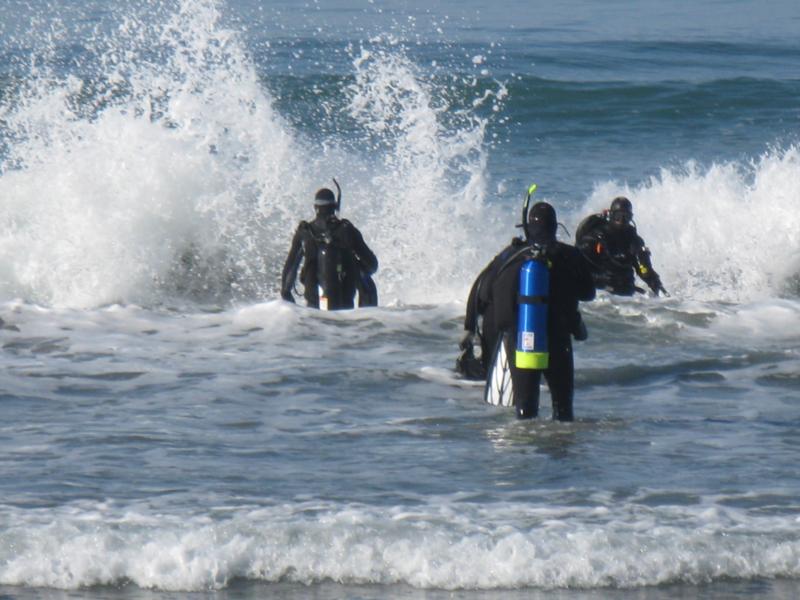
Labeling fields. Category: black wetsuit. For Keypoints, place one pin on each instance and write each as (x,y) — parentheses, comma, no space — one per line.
(359,263)
(494,296)
(615,253)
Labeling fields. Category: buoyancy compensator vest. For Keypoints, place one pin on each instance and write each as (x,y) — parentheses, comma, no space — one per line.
(333,264)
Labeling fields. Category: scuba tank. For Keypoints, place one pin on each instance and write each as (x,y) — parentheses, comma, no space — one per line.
(330,275)
(534,290)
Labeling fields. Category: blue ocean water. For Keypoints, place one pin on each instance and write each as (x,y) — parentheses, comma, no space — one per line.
(172,429)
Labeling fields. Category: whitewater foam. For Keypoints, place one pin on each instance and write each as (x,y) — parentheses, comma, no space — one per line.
(444,547)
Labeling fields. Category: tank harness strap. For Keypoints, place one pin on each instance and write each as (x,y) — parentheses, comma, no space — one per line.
(531,299)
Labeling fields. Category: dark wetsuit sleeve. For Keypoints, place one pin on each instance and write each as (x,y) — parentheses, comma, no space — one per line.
(366,257)
(289,275)
(480,296)
(644,267)
(487,277)
(475,305)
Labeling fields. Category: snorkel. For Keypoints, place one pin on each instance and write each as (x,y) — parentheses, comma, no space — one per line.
(525,206)
(338,195)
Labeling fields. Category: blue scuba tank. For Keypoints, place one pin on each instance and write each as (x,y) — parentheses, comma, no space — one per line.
(534,291)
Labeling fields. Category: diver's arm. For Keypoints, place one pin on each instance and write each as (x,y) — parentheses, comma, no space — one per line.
(475,306)
(366,257)
(644,267)
(480,296)
(289,275)
(488,275)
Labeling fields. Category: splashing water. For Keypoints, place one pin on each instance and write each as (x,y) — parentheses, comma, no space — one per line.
(147,182)
(151,166)
(162,170)
(430,176)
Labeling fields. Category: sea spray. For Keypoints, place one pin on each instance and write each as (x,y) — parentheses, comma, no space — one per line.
(153,183)
(429,174)
(158,170)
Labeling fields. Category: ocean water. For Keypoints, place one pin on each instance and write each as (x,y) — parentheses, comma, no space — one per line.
(171,429)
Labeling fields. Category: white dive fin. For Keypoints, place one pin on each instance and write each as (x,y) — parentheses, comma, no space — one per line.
(499,391)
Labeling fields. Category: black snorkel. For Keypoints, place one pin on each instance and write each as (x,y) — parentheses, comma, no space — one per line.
(525,206)
(338,195)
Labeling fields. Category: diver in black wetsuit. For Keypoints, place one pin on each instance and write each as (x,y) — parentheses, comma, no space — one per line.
(612,246)
(494,296)
(336,260)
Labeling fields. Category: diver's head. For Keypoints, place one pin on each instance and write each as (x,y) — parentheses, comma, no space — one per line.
(542,223)
(620,214)
(325,202)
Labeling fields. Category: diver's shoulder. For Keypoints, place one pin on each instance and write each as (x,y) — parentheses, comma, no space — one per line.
(342,225)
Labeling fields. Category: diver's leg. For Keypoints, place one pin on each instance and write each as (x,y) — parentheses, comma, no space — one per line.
(526,387)
(560,377)
(526,392)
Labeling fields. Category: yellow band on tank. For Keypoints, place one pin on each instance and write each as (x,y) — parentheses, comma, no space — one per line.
(532,360)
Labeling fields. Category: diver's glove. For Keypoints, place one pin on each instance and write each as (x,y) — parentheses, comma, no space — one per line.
(467,363)
(654,283)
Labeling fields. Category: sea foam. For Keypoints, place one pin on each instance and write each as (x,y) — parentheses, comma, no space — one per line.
(451,546)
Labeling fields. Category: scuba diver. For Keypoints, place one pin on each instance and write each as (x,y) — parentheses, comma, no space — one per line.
(497,298)
(337,262)
(612,246)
